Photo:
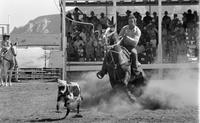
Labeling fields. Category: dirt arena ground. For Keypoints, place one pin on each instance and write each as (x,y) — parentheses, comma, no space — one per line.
(165,101)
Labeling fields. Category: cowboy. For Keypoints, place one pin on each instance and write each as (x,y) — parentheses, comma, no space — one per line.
(130,37)
(5,45)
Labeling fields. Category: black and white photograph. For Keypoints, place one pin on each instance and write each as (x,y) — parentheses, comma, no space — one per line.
(99,61)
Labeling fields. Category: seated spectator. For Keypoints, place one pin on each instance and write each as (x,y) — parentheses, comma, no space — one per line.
(89,47)
(78,46)
(83,35)
(147,19)
(104,21)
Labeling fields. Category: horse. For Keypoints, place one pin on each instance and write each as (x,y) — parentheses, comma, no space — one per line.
(7,64)
(121,75)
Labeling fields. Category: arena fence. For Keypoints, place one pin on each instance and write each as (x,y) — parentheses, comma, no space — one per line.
(55,73)
(37,74)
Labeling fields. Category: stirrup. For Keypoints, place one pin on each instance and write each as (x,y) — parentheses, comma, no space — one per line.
(136,72)
(99,76)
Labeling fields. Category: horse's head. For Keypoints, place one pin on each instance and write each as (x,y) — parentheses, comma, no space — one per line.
(11,51)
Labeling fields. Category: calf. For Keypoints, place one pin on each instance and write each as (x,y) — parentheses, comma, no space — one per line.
(70,93)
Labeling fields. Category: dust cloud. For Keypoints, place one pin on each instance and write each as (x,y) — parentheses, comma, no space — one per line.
(178,89)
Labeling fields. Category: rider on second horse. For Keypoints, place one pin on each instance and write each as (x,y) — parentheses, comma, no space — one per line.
(130,37)
(5,45)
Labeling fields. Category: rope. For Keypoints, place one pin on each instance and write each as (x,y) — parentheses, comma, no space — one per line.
(81,23)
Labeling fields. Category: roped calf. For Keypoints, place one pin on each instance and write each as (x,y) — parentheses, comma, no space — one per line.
(70,93)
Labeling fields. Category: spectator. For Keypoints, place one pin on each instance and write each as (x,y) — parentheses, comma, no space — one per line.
(83,35)
(166,20)
(184,19)
(173,47)
(77,12)
(78,46)
(89,48)
(138,19)
(85,18)
(93,19)
(153,34)
(104,21)
(190,16)
(155,19)
(196,17)
(175,22)
(69,25)
(147,19)
(125,18)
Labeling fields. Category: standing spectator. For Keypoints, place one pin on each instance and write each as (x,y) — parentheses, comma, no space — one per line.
(93,19)
(85,18)
(104,21)
(125,18)
(190,17)
(166,20)
(147,19)
(155,19)
(165,46)
(69,25)
(138,19)
(196,17)
(173,48)
(175,22)
(77,12)
(119,22)
(184,19)
(153,33)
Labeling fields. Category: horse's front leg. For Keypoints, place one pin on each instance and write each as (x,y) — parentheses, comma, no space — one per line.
(10,77)
(1,80)
(6,78)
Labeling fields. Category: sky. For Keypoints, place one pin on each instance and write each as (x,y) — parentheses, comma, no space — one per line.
(22,11)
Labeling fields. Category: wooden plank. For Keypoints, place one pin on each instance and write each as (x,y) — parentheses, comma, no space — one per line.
(97,66)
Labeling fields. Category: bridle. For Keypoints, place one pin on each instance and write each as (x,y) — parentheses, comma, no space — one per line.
(12,51)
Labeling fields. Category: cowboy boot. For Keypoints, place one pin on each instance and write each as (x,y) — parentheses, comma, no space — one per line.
(100,74)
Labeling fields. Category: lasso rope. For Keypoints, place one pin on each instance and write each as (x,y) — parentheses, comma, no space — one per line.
(81,23)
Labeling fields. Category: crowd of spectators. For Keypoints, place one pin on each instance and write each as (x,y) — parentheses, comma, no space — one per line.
(179,36)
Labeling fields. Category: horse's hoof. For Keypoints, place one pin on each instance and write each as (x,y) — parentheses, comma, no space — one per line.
(99,75)
(58,111)
(10,84)
(6,85)
(77,116)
